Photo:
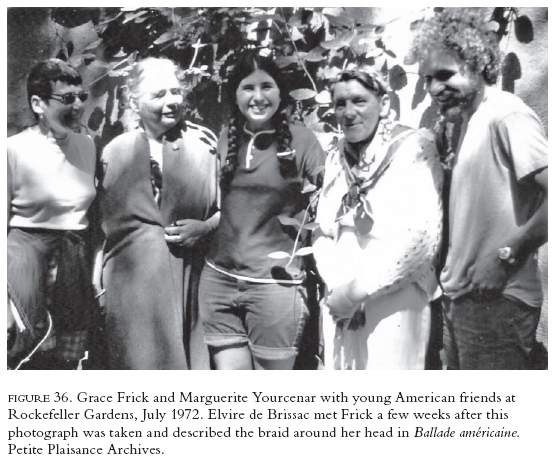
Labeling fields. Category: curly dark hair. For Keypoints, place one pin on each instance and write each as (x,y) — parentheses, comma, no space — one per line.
(247,63)
(462,32)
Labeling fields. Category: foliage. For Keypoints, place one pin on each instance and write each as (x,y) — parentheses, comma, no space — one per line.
(311,44)
(303,227)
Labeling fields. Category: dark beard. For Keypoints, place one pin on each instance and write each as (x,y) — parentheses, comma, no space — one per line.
(459,104)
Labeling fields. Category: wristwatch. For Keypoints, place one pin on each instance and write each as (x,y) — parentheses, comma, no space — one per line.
(506,255)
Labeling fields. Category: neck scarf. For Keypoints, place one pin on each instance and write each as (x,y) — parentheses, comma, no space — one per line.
(356,199)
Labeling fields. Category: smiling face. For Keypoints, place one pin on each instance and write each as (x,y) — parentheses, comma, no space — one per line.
(450,84)
(158,100)
(258,99)
(358,110)
(55,116)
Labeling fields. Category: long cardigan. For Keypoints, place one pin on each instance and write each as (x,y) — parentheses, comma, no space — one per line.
(151,287)
(393,262)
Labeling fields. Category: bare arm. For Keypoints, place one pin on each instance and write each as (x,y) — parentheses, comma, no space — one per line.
(489,276)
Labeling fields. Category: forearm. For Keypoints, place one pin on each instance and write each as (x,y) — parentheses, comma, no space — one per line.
(530,236)
(213,221)
(533,233)
(489,275)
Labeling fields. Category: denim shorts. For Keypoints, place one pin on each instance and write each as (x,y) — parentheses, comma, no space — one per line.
(268,317)
(496,334)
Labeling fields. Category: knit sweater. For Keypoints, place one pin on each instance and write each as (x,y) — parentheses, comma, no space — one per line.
(405,205)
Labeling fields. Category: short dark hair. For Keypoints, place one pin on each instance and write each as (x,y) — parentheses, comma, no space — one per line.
(463,33)
(46,73)
(368,78)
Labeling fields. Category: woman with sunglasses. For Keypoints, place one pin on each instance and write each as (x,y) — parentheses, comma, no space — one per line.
(51,185)
(158,202)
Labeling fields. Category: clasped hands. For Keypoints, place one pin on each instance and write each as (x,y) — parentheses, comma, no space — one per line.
(186,232)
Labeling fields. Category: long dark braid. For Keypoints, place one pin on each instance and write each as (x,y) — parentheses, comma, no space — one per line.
(231,160)
(287,165)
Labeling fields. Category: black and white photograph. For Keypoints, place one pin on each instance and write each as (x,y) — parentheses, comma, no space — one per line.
(303,189)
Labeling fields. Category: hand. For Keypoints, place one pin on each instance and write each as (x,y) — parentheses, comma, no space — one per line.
(186,232)
(488,276)
(344,300)
(358,320)
(339,312)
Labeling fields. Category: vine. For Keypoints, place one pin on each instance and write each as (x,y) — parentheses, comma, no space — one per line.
(311,45)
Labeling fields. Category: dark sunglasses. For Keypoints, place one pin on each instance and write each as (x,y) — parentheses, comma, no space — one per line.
(69,98)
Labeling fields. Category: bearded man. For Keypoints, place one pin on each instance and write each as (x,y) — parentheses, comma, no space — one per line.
(497,202)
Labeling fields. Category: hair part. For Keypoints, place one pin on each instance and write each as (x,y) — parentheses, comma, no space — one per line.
(45,74)
(462,33)
(248,63)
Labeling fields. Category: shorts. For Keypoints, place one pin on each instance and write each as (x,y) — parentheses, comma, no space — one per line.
(494,334)
(268,317)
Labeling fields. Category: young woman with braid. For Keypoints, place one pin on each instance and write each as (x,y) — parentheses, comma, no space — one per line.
(254,307)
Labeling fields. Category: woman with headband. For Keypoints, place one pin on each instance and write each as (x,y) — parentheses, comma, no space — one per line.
(380,216)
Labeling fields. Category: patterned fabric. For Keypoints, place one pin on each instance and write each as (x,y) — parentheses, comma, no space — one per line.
(356,199)
(401,246)
(50,271)
(156,180)
(381,277)
(70,346)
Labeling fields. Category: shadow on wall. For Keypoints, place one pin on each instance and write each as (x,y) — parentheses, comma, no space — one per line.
(511,72)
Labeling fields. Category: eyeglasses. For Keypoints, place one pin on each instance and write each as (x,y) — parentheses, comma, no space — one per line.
(69,98)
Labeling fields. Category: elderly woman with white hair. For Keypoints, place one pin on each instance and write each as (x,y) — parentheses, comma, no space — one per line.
(380,216)
(158,200)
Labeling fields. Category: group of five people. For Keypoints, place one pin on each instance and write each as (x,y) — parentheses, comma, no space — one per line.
(206,255)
